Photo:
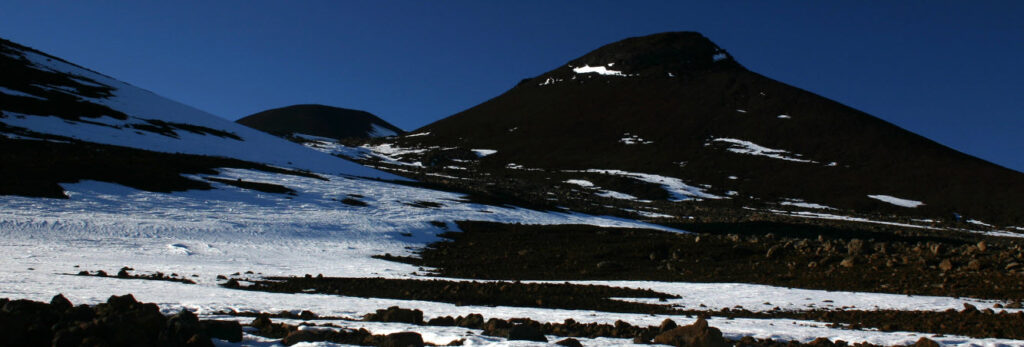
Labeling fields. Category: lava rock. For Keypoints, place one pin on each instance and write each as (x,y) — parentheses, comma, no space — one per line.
(229,331)
(395,314)
(526,332)
(925,342)
(402,339)
(698,334)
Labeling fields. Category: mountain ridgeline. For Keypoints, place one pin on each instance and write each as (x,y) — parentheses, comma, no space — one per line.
(677,105)
(322,121)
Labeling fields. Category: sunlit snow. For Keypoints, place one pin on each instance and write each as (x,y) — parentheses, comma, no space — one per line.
(597,69)
(750,148)
(678,191)
(804,204)
(483,152)
(897,201)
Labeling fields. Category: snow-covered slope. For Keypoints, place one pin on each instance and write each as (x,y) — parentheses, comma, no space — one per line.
(141,119)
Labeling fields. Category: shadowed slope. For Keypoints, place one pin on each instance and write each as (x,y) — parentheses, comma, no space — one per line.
(675,104)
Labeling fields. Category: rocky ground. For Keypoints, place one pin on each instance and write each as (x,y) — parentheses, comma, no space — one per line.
(121,321)
(905,264)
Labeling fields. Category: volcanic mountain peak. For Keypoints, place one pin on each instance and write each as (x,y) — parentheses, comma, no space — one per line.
(665,54)
(320,120)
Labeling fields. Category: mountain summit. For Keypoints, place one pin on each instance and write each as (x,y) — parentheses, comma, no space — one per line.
(676,53)
(677,105)
(320,120)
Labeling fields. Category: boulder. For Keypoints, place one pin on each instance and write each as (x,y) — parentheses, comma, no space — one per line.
(925,342)
(395,314)
(229,331)
(402,339)
(526,332)
(698,334)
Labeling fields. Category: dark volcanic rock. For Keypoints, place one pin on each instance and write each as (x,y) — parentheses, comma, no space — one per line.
(397,315)
(698,334)
(121,321)
(230,331)
(402,339)
(569,342)
(682,83)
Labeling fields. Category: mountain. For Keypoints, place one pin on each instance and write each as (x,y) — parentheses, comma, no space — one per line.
(109,189)
(677,105)
(322,121)
(60,122)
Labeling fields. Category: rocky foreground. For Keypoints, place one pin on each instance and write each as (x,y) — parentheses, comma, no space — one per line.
(123,321)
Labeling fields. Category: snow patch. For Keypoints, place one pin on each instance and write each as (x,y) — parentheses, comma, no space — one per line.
(581,183)
(897,201)
(978,222)
(141,105)
(750,148)
(550,81)
(601,70)
(677,189)
(803,204)
(818,215)
(615,195)
(629,139)
(783,116)
(480,153)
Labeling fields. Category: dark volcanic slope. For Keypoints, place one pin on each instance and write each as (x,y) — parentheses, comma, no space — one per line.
(320,120)
(679,106)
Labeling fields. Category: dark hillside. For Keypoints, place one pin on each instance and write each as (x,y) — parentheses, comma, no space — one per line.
(320,120)
(677,105)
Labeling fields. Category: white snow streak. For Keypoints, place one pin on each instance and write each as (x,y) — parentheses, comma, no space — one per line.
(750,148)
(597,69)
(897,201)
(677,189)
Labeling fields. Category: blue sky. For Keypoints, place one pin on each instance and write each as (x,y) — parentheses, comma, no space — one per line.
(951,71)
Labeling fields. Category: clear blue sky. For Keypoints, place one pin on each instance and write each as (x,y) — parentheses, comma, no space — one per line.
(951,71)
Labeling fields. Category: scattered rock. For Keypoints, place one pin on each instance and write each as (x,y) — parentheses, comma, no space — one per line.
(925,342)
(60,303)
(848,262)
(974,265)
(306,336)
(855,247)
(945,265)
(472,321)
(698,334)
(821,342)
(307,315)
(982,246)
(230,331)
(570,342)
(121,321)
(667,325)
(402,339)
(526,332)
(395,314)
